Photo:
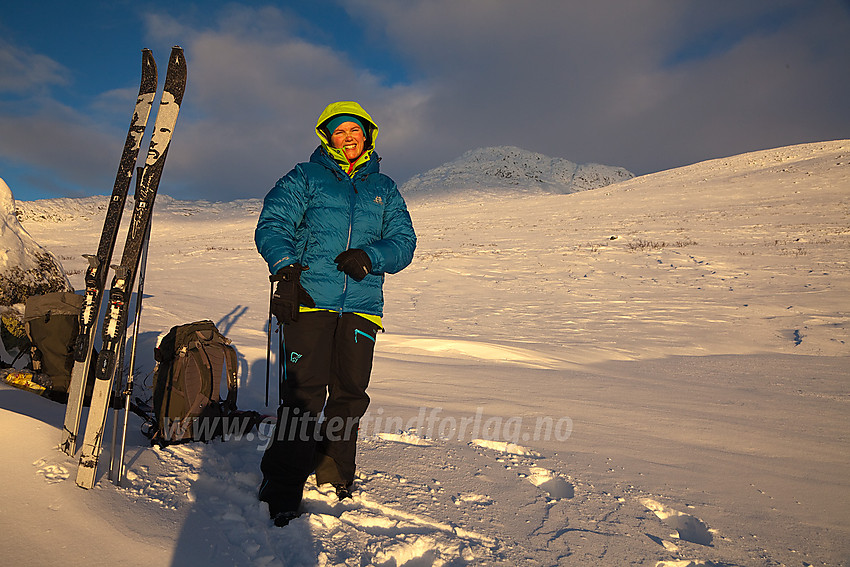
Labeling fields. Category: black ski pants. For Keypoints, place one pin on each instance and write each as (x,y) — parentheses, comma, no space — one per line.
(327,364)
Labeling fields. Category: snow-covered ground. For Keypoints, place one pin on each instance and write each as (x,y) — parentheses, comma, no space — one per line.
(651,373)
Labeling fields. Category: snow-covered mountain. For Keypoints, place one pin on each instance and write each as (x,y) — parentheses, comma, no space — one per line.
(514,168)
(651,373)
(93,208)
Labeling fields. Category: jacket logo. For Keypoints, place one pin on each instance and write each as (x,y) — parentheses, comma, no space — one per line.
(379,200)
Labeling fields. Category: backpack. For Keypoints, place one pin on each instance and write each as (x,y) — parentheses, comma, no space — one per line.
(52,324)
(190,361)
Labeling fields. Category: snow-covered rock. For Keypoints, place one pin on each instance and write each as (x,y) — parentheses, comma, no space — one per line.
(514,168)
(26,268)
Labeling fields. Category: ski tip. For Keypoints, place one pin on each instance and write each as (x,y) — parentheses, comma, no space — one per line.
(148,72)
(176,53)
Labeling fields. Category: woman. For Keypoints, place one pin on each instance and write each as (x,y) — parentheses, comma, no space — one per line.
(329,230)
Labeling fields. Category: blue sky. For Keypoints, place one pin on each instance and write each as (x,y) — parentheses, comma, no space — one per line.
(645,85)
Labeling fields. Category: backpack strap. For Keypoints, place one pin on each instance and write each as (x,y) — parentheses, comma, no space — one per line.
(232,365)
(194,349)
(231,362)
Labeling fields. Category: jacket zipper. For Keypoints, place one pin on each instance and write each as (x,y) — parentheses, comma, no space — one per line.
(351,203)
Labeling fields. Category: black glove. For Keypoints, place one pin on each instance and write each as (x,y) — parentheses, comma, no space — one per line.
(354,262)
(289,295)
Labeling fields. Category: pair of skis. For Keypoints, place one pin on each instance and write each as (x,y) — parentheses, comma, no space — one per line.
(110,359)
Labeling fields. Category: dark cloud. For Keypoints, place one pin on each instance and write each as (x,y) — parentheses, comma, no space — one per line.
(646,85)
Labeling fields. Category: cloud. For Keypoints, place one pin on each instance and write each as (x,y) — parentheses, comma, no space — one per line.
(72,154)
(26,73)
(255,90)
(645,85)
(59,148)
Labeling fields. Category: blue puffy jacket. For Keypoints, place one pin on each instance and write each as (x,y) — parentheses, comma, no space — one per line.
(317,211)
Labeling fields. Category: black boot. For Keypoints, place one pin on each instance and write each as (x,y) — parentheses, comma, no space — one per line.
(283,500)
(343,491)
(283,518)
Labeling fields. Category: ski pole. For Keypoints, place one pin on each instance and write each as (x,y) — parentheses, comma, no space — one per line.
(269,339)
(117,380)
(128,392)
(117,391)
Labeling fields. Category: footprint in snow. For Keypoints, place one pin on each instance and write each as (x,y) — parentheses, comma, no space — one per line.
(51,473)
(689,528)
(553,484)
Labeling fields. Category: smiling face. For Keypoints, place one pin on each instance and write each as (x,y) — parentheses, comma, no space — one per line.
(350,138)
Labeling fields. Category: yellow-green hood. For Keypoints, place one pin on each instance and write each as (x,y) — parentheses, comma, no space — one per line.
(347,107)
